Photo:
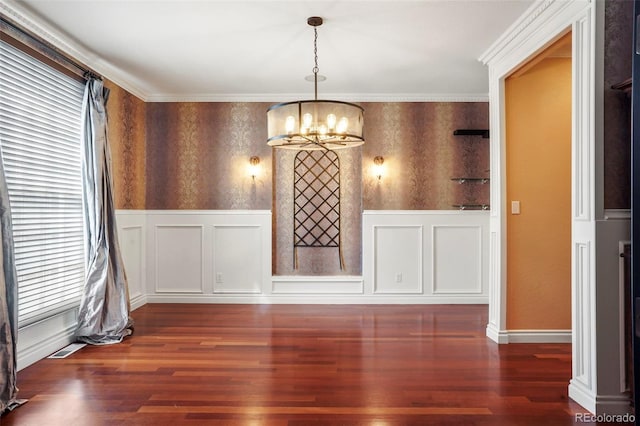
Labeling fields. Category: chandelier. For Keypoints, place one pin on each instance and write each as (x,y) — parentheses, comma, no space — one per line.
(315,124)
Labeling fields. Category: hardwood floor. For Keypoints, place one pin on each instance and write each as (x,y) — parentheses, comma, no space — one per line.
(302,365)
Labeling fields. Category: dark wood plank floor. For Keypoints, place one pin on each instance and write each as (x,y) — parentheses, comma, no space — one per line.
(302,365)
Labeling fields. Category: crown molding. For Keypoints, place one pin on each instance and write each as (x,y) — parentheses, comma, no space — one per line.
(353,97)
(523,25)
(37,26)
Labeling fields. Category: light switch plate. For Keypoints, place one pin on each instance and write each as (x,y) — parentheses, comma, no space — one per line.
(515,207)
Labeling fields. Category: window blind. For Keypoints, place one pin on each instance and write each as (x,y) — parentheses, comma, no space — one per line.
(40,135)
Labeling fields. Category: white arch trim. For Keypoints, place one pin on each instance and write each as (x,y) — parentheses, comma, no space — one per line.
(543,23)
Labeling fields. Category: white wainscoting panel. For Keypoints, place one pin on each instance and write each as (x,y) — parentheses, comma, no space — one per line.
(454,242)
(437,256)
(179,258)
(398,258)
(582,361)
(132,236)
(131,240)
(214,256)
(208,256)
(237,259)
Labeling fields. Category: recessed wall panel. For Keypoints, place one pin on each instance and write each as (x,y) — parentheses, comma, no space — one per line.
(131,248)
(457,259)
(398,259)
(179,259)
(238,256)
(582,367)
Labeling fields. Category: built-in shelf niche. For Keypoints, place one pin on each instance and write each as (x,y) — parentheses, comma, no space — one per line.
(470,198)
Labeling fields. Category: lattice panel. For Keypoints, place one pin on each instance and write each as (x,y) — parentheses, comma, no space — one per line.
(316,207)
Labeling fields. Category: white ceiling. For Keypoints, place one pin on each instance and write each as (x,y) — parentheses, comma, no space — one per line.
(262,49)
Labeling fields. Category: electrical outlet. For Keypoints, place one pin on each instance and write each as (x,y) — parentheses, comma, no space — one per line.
(219,279)
(399,277)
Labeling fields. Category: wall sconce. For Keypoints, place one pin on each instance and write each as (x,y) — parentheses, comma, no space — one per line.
(254,167)
(378,166)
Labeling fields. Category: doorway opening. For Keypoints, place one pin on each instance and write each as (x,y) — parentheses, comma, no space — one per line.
(538,104)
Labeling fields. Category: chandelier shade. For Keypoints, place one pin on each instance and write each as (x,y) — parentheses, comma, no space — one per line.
(315,124)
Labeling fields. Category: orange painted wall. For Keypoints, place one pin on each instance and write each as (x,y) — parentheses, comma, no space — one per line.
(538,131)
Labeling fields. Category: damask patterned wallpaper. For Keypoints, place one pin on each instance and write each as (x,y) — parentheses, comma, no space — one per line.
(198,155)
(618,45)
(421,155)
(127,138)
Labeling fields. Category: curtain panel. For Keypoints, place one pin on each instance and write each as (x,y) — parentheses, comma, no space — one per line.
(8,304)
(103,316)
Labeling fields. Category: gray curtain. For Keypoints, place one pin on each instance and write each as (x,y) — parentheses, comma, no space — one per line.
(8,304)
(103,317)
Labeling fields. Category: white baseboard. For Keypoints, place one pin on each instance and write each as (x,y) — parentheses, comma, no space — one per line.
(528,336)
(499,336)
(539,336)
(44,348)
(138,301)
(315,299)
(582,395)
(612,405)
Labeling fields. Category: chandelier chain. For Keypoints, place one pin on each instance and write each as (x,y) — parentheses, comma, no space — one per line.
(315,59)
(315,50)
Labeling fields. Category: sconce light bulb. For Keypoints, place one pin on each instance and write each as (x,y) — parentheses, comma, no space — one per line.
(378,168)
(254,166)
(322,129)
